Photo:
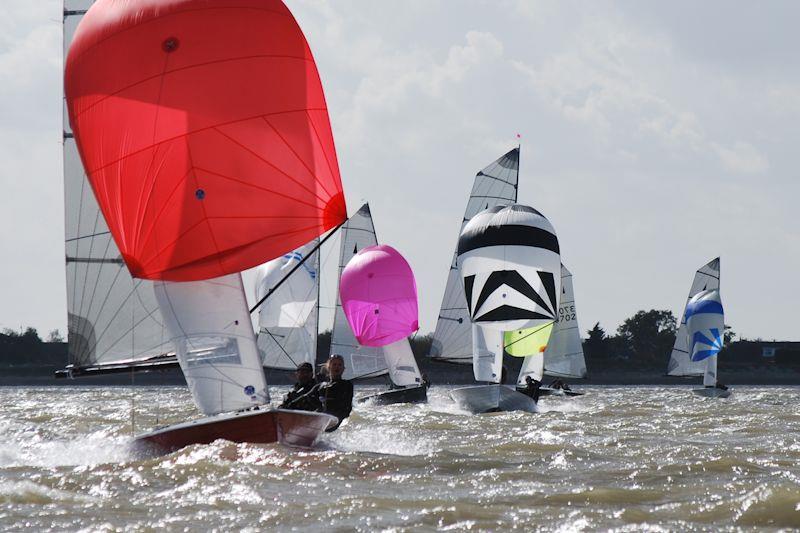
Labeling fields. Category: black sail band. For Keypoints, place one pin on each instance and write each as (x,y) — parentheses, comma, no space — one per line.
(509,236)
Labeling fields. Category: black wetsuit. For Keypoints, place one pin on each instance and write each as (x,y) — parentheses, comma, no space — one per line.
(337,398)
(532,390)
(300,399)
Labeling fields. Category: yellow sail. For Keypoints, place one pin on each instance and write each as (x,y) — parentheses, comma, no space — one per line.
(525,342)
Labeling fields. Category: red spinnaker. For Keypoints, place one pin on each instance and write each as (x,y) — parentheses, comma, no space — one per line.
(203,129)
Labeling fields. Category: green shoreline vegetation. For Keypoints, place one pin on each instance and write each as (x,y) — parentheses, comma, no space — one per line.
(636,353)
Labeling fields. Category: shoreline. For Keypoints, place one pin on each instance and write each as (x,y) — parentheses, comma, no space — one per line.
(459,376)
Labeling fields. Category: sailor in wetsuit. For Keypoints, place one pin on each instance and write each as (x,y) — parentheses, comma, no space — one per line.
(299,397)
(336,394)
(532,388)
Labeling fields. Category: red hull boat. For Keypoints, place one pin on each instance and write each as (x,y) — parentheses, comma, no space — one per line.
(293,428)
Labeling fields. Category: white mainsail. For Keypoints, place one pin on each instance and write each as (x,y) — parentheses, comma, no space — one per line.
(112,317)
(288,320)
(487,362)
(494,185)
(563,356)
(210,328)
(680,363)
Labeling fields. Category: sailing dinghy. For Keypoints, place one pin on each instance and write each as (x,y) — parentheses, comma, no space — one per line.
(191,187)
(705,325)
(368,361)
(378,293)
(509,261)
(682,361)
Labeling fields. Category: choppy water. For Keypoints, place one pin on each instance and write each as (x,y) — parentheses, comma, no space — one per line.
(617,458)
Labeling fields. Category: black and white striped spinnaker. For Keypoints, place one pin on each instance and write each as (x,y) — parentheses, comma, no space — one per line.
(510,265)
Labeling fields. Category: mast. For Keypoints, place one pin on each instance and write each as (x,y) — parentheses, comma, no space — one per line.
(493,186)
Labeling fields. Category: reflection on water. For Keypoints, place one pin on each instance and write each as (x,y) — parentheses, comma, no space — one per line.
(619,457)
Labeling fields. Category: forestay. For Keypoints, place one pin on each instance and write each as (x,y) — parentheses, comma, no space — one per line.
(494,185)
(210,328)
(680,363)
(563,356)
(112,317)
(360,361)
(288,319)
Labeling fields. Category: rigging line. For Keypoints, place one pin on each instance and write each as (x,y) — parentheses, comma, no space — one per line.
(87,236)
(86,278)
(298,265)
(496,178)
(279,345)
(540,328)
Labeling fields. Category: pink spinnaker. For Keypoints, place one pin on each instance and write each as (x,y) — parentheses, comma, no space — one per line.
(379,296)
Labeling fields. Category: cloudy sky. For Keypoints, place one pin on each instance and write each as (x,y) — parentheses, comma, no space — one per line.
(655,136)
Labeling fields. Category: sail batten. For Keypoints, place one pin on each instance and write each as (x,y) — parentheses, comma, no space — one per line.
(494,185)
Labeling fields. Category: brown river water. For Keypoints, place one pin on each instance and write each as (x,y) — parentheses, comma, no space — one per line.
(619,458)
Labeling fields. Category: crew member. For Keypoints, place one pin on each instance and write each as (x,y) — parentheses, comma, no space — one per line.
(336,394)
(299,397)
(532,388)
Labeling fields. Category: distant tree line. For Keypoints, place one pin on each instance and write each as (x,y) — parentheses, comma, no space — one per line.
(642,342)
(26,348)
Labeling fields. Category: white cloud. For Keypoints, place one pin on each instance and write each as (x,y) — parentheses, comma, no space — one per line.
(742,158)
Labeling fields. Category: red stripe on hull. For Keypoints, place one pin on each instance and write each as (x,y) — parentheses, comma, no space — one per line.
(294,428)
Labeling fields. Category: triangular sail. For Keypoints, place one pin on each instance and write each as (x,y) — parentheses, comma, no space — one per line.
(487,362)
(288,319)
(403,369)
(680,363)
(210,328)
(494,185)
(112,318)
(360,361)
(564,354)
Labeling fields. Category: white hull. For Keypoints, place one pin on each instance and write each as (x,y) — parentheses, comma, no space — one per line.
(712,392)
(492,398)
